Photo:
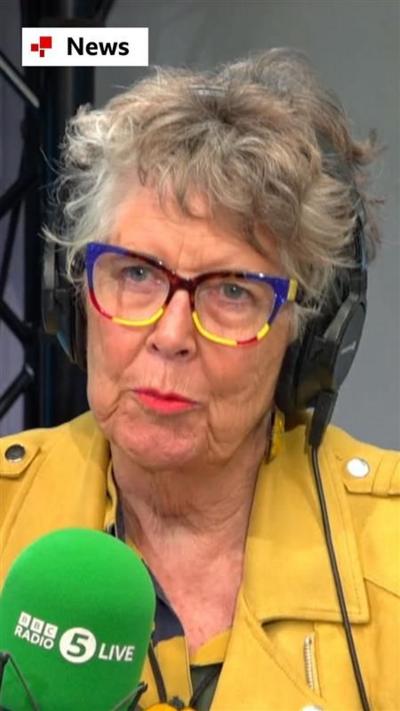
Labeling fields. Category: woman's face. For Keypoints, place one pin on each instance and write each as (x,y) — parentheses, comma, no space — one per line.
(130,370)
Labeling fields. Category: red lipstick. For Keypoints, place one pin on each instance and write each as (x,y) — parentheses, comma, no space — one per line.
(164,402)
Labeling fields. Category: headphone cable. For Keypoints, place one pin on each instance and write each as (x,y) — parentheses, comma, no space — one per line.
(338,583)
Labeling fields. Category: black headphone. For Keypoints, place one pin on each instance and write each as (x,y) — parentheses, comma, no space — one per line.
(62,309)
(322,358)
(314,366)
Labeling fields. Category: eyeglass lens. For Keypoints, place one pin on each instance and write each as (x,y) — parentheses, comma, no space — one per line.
(128,288)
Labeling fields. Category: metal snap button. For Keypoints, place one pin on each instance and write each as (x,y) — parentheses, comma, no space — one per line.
(15,453)
(358,468)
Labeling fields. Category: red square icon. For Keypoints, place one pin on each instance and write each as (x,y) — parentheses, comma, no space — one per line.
(45,42)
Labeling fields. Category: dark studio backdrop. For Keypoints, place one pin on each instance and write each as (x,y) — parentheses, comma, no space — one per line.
(355,44)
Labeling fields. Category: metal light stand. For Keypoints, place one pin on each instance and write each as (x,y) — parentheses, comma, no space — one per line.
(54,391)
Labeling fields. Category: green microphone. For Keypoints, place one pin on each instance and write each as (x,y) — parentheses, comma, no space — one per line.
(76,615)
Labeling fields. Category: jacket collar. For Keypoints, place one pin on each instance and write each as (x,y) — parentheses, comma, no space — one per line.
(287,571)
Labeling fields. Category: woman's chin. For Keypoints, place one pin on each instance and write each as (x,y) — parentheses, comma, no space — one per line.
(156,445)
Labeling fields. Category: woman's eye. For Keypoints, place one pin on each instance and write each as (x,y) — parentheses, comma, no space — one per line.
(137,273)
(234,292)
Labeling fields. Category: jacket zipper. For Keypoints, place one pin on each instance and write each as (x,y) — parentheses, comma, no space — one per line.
(309,663)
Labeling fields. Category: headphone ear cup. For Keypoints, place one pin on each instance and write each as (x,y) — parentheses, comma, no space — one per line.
(48,290)
(299,380)
(71,331)
(286,390)
(322,359)
(78,343)
(63,313)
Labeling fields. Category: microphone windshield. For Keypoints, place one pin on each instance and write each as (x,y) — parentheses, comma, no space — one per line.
(76,614)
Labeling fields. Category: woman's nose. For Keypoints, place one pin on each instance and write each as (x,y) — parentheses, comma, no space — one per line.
(173,336)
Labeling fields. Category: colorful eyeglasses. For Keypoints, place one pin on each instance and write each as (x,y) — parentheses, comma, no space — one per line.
(231,308)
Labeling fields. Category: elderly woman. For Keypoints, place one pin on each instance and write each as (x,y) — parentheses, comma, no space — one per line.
(211,223)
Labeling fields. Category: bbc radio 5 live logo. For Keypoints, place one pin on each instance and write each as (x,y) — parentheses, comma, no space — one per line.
(77,644)
(85,46)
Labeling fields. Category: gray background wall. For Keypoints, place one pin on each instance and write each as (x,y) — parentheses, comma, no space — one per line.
(355,44)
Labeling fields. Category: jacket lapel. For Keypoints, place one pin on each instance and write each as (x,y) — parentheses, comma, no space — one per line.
(255,674)
(287,571)
(287,577)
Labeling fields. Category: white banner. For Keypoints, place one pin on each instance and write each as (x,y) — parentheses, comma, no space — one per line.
(85,46)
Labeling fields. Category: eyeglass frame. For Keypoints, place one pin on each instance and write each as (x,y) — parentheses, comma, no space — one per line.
(285,290)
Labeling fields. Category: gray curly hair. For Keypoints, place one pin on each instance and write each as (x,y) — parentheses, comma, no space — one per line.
(260,137)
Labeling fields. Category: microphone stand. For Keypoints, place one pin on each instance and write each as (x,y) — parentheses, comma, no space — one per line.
(4,657)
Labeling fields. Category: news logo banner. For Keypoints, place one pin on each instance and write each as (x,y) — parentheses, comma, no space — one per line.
(85,46)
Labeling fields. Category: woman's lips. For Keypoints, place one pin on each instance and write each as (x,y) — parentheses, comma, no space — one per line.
(164,402)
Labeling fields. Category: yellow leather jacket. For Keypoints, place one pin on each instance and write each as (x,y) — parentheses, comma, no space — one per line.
(287,648)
